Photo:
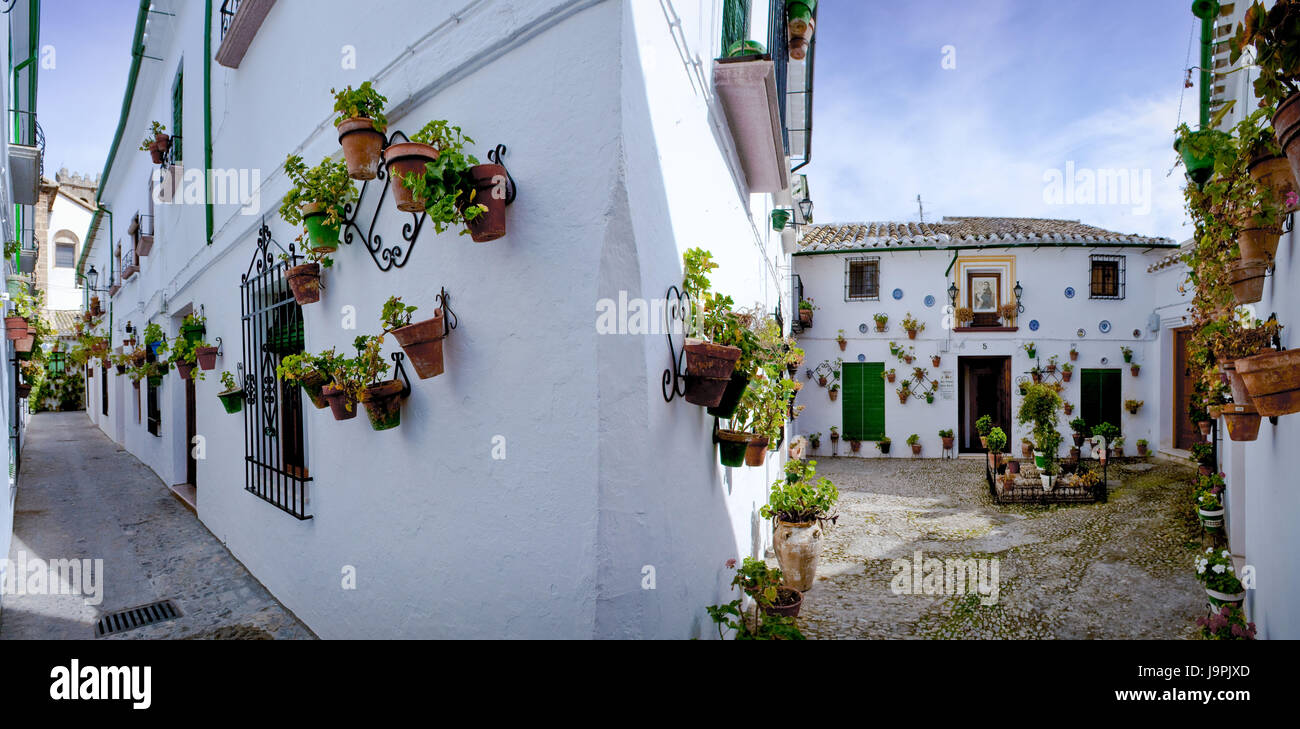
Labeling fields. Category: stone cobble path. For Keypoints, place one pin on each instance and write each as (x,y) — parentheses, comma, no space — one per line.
(81,496)
(1120,569)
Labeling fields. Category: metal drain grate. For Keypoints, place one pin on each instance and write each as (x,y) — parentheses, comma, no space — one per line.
(137,617)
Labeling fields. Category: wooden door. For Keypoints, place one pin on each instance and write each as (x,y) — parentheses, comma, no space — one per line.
(983,388)
(1185,433)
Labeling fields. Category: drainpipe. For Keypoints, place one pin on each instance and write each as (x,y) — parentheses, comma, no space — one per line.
(1206,10)
(207,111)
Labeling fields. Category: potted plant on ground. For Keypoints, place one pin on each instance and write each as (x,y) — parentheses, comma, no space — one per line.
(1142,445)
(855,445)
(799,507)
(1049,473)
(1026,448)
(881,319)
(914,441)
(839,338)
(317,201)
(774,605)
(912,325)
(1208,499)
(1079,426)
(1227,623)
(997,441)
(947,437)
(1215,571)
(422,341)
(231,395)
(806,309)
(815,440)
(361,125)
(983,425)
(883,444)
(156,143)
(1039,408)
(1132,406)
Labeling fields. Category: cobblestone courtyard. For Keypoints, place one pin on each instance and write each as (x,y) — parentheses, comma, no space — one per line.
(80,496)
(1120,569)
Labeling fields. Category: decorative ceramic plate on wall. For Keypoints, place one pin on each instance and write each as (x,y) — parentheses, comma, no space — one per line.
(929,301)
(1033,325)
(1069,292)
(862,358)
(1103,326)
(898,294)
(1081,333)
(862,328)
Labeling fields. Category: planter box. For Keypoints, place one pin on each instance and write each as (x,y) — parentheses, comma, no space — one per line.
(746,86)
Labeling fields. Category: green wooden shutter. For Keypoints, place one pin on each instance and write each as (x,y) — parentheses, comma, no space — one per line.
(177,113)
(735,23)
(1100,395)
(863,396)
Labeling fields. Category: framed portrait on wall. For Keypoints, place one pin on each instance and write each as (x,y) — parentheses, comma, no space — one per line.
(984,291)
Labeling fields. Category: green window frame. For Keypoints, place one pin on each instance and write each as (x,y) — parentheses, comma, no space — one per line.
(735,23)
(178,113)
(863,409)
(1101,397)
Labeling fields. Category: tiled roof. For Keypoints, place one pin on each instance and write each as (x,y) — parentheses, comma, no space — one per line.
(965,231)
(1172,259)
(63,321)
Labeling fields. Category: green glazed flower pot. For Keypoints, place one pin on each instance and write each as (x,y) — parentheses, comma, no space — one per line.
(731,396)
(193,333)
(779,219)
(731,448)
(324,237)
(232,401)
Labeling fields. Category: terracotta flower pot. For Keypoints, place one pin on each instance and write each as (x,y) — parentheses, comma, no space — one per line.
(25,344)
(383,404)
(1013,466)
(1257,244)
(312,384)
(788,602)
(158,150)
(341,403)
(834,395)
(1242,421)
(489,189)
(947,443)
(1065,377)
(1235,381)
(304,280)
(1247,278)
(756,451)
(1203,426)
(1134,369)
(911,334)
(1142,451)
(798,547)
(843,345)
(185,370)
(1074,355)
(1215,411)
(891,376)
(708,371)
(23,390)
(363,147)
(916,449)
(934,361)
(207,357)
(1272,172)
(1273,380)
(731,396)
(1286,124)
(422,342)
(805,318)
(855,445)
(15,327)
(406,158)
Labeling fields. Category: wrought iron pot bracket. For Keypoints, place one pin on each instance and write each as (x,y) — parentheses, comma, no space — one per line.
(677,308)
(396,255)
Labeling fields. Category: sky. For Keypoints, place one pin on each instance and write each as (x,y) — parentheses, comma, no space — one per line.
(1037,84)
(79,100)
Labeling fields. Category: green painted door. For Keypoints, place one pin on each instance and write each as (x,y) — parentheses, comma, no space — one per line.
(863,397)
(1100,397)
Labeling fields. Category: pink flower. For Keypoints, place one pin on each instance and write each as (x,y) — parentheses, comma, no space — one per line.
(1292,199)
(731,563)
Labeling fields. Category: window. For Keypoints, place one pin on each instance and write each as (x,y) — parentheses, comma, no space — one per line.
(862,279)
(864,400)
(155,410)
(103,390)
(735,23)
(65,255)
(1107,279)
(177,114)
(1099,397)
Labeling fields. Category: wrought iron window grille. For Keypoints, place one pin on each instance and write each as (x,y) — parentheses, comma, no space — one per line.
(1106,277)
(867,285)
(356,226)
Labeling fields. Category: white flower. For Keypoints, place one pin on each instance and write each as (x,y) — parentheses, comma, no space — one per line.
(1229,568)
(1226,554)
(1209,550)
(1218,569)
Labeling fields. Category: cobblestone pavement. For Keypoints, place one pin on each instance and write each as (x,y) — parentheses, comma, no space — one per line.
(80,496)
(1120,569)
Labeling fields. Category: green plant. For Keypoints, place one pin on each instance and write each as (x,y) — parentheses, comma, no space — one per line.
(182,352)
(1203,454)
(154,129)
(362,102)
(946,433)
(884,441)
(840,337)
(997,440)
(762,584)
(1133,405)
(1215,571)
(1107,432)
(1067,368)
(327,185)
(913,439)
(815,439)
(1229,623)
(762,408)
(1031,350)
(881,318)
(228,382)
(696,265)
(446,178)
(297,367)
(1142,443)
(1039,407)
(1079,425)
(395,314)
(803,499)
(807,305)
(153,333)
(1127,352)
(1275,35)
(911,324)
(983,425)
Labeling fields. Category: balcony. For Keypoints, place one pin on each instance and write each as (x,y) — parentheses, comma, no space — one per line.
(746,85)
(26,157)
(240,21)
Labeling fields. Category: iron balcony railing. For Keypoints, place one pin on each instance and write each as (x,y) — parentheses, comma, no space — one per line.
(228,10)
(27,132)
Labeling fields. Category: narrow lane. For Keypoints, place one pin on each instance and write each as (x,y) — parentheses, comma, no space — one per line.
(82,497)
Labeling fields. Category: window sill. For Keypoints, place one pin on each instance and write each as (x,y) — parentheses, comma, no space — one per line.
(969,330)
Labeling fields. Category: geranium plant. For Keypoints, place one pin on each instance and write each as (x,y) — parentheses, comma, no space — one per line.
(446,179)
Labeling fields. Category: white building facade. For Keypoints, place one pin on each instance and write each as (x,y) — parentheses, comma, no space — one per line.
(1083,291)
(542,486)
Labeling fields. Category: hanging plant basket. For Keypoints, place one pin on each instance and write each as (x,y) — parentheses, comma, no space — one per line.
(1257,244)
(193,333)
(1199,167)
(312,384)
(24,345)
(383,404)
(834,394)
(342,406)
(732,447)
(1203,426)
(1134,369)
(487,182)
(806,318)
(1247,280)
(23,389)
(1272,379)
(402,159)
(363,147)
(185,370)
(422,342)
(231,400)
(902,397)
(207,358)
(158,150)
(708,371)
(726,407)
(1286,126)
(304,281)
(15,327)
(756,451)
(321,235)
(1235,382)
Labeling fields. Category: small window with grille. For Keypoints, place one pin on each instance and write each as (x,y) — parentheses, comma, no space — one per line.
(1107,277)
(862,279)
(154,408)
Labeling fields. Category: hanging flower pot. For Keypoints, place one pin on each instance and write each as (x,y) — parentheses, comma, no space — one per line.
(1074,355)
(911,334)
(1134,369)
(1199,166)
(934,360)
(1068,408)
(155,380)
(207,357)
(363,147)
(890,376)
(1203,426)
(1271,172)
(732,447)
(139,357)
(1247,279)
(384,404)
(231,400)
(185,370)
(1286,126)
(304,281)
(834,394)
(805,318)
(15,327)
(779,219)
(158,150)
(402,159)
(902,397)
(1038,377)
(1273,380)
(312,383)
(23,390)
(1219,599)
(1242,421)
(1211,519)
(192,332)
(798,547)
(1065,377)
(1257,244)
(756,451)
(1235,382)
(708,371)
(25,344)
(342,406)
(487,182)
(726,407)
(323,236)
(422,342)
(1215,411)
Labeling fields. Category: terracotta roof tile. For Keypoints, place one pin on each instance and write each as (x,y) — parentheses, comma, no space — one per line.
(963,230)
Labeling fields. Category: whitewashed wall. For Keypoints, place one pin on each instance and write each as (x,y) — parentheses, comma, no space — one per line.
(619,169)
(1044,273)
(61,291)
